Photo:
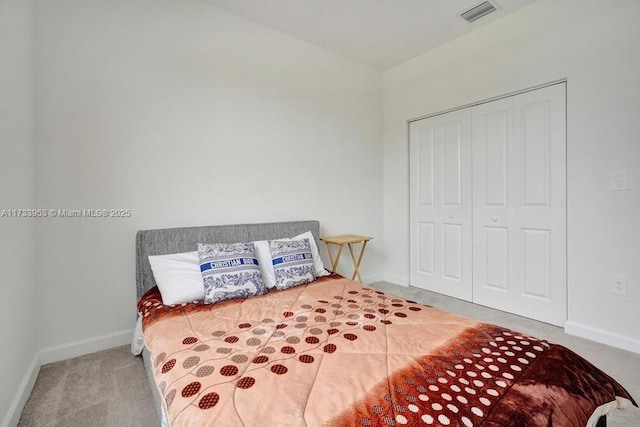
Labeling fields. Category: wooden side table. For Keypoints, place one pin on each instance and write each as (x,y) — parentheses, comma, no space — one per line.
(350,240)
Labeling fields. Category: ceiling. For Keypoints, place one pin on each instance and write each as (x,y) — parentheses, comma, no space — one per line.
(378,33)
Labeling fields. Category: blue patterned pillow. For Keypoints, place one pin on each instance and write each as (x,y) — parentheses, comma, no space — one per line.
(292,262)
(229,271)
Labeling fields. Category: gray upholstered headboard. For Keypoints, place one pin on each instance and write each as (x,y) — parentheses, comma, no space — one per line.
(175,240)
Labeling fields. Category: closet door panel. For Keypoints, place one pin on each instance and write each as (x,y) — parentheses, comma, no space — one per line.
(533,141)
(519,204)
(496,266)
(496,139)
(424,211)
(540,214)
(426,250)
(493,272)
(440,204)
(452,251)
(424,148)
(451,163)
(536,257)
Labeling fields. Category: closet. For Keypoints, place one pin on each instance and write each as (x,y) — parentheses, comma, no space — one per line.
(488,204)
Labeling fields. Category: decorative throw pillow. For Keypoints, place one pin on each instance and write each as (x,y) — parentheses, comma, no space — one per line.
(317,261)
(178,277)
(229,271)
(292,262)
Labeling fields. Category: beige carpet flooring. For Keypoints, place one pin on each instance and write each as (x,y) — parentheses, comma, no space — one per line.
(110,389)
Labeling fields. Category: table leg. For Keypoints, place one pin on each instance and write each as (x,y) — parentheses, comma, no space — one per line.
(334,262)
(356,263)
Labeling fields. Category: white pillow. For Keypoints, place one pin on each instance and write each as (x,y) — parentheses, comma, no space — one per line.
(317,261)
(263,252)
(137,341)
(178,277)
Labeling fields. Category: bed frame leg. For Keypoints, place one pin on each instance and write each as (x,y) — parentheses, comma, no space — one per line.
(602,422)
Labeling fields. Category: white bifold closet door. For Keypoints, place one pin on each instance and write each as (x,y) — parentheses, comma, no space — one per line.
(519,204)
(441,204)
(488,204)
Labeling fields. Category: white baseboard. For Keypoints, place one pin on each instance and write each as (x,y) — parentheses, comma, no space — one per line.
(24,391)
(82,347)
(396,280)
(372,278)
(601,336)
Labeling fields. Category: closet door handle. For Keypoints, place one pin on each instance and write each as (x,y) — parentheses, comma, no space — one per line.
(494,219)
(450,216)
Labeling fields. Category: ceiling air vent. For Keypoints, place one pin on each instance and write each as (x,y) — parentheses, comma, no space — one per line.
(478,11)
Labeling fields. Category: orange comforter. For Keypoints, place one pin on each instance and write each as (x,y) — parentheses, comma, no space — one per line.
(336,353)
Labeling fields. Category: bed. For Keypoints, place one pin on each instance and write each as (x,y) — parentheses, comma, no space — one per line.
(334,352)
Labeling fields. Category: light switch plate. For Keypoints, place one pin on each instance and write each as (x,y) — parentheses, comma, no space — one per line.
(619,180)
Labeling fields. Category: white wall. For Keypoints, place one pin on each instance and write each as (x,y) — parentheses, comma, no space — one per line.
(594,46)
(18,310)
(187,115)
